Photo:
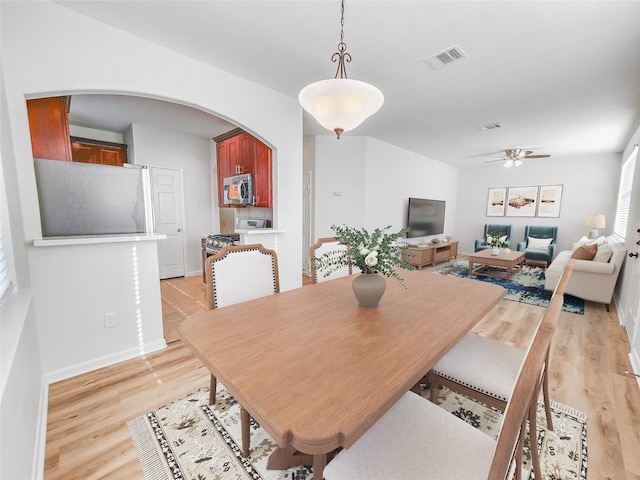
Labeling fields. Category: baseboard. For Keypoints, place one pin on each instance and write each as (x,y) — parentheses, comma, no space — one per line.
(96,363)
(37,470)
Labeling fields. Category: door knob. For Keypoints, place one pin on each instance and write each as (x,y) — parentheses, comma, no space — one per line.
(634,254)
(179,230)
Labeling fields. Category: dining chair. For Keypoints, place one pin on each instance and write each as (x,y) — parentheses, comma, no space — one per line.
(318,249)
(417,438)
(485,369)
(237,274)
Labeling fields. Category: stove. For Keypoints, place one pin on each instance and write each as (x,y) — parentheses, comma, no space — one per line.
(212,244)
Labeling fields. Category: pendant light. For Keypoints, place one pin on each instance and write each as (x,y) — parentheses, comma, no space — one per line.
(341,104)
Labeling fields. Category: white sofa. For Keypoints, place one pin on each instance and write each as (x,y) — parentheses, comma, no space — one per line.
(591,280)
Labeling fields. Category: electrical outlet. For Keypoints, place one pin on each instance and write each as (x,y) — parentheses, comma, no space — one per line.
(109,320)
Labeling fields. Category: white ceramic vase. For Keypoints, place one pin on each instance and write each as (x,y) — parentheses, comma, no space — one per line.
(495,251)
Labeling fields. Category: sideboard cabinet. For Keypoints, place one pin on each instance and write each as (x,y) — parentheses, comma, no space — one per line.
(430,254)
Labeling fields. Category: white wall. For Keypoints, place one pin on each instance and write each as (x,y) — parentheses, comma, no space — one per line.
(590,185)
(190,154)
(39,41)
(374,180)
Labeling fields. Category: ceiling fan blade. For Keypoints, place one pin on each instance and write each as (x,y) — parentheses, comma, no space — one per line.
(497,160)
(536,156)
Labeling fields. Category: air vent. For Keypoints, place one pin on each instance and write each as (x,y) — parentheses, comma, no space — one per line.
(491,126)
(450,55)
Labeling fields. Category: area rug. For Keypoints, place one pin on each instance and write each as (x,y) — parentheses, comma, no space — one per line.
(189,439)
(526,286)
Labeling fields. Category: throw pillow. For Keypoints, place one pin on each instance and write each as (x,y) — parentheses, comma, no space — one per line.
(603,254)
(585,252)
(539,243)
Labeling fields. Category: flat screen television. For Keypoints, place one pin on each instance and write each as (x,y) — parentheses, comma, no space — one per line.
(425,217)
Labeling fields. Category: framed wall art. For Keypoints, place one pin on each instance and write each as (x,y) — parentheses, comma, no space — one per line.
(549,202)
(496,202)
(522,201)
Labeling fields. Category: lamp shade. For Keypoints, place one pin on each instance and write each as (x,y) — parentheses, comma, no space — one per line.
(340,104)
(595,221)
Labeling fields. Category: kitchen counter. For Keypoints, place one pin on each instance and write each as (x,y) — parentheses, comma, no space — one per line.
(268,237)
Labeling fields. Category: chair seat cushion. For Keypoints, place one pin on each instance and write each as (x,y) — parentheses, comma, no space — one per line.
(483,364)
(415,439)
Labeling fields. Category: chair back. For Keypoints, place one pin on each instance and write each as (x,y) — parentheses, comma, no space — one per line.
(499,229)
(525,391)
(322,246)
(537,231)
(564,278)
(239,273)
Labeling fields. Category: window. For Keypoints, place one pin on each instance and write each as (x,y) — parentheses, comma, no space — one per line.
(624,195)
(5,246)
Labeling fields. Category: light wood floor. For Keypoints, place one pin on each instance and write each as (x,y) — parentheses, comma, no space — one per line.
(87,436)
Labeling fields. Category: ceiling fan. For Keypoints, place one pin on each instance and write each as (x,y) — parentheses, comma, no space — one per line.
(514,156)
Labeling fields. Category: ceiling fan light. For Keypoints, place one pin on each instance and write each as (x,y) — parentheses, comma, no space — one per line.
(508,163)
(517,162)
(340,103)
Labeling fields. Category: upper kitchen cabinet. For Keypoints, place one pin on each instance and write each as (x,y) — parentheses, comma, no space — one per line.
(94,151)
(49,125)
(239,153)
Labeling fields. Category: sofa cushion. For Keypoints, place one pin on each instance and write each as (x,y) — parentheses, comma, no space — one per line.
(603,253)
(585,252)
(539,243)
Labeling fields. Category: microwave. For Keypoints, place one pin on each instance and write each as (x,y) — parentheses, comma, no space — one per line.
(238,190)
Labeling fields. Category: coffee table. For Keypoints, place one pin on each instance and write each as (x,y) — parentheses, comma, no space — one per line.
(502,266)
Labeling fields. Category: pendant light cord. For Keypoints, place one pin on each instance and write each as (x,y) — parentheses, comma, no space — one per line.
(341,56)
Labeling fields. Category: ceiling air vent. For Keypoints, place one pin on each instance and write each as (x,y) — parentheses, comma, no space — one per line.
(450,55)
(491,126)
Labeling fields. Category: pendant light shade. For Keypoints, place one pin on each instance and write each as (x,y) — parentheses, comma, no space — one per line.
(340,104)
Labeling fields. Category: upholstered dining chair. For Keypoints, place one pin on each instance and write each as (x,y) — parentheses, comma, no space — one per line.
(491,228)
(417,437)
(237,274)
(322,246)
(240,273)
(486,370)
(539,243)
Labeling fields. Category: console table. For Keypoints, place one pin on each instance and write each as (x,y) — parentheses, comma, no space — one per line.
(430,254)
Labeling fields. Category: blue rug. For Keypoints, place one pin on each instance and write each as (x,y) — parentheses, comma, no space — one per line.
(526,286)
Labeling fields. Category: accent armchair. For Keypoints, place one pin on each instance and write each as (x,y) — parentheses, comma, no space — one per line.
(539,243)
(489,228)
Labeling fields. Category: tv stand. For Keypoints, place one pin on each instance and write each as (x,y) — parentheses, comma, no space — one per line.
(430,254)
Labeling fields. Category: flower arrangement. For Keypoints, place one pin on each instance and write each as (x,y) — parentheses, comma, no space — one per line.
(376,252)
(496,240)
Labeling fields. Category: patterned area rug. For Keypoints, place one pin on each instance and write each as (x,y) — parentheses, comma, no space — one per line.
(526,286)
(188,439)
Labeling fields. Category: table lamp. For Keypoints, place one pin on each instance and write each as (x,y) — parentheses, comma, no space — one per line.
(594,222)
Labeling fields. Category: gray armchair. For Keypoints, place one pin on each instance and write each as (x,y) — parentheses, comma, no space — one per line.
(489,228)
(536,254)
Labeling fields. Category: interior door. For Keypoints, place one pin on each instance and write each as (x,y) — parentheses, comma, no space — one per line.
(167,205)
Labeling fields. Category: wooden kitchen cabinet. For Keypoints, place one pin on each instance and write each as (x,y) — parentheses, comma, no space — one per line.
(102,153)
(239,152)
(49,126)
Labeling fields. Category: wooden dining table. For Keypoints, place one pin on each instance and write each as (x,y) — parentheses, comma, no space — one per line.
(316,371)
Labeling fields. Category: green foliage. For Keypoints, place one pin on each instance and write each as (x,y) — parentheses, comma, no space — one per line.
(376,252)
(495,239)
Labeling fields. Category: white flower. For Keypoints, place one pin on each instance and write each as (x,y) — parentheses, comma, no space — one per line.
(371,259)
(364,251)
